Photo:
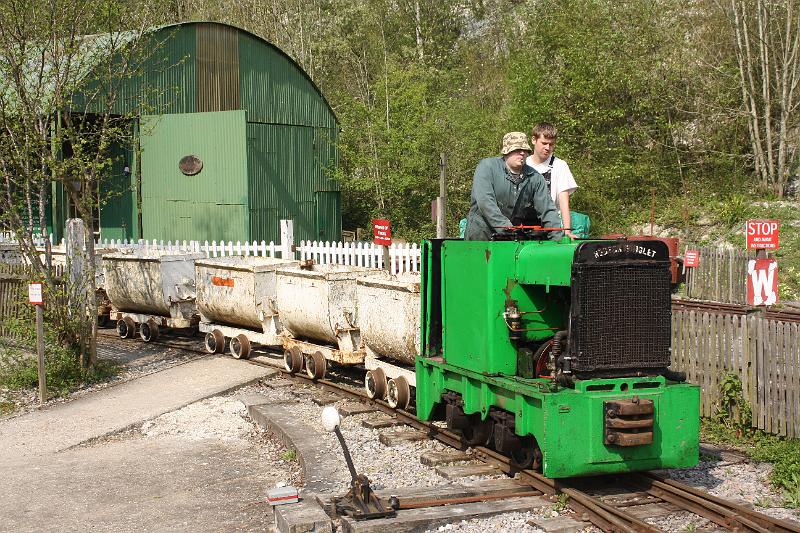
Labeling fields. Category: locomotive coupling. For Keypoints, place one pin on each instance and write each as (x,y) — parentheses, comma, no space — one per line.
(629,422)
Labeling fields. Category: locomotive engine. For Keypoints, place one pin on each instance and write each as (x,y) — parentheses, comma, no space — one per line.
(556,354)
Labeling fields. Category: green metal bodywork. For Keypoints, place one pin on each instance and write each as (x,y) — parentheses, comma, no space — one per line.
(466,349)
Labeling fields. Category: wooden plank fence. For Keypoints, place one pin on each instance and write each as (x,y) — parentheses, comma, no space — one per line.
(721,275)
(763,353)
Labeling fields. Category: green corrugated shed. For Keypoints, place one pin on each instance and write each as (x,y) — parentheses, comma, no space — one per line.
(265,134)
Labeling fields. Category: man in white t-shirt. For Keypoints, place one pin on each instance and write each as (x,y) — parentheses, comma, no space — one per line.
(556,172)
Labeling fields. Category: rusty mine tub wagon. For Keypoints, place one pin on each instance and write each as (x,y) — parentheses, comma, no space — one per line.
(388,318)
(317,307)
(236,300)
(151,290)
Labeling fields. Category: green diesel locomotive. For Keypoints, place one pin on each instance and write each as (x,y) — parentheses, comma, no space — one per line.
(556,353)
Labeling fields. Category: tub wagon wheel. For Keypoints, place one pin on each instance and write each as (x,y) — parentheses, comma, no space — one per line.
(126,328)
(240,346)
(375,383)
(215,342)
(478,433)
(293,359)
(398,393)
(316,365)
(148,331)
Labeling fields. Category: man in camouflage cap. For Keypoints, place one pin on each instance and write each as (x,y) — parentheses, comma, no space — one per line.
(507,192)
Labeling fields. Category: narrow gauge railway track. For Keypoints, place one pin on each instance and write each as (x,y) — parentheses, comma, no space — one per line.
(592,505)
(787,314)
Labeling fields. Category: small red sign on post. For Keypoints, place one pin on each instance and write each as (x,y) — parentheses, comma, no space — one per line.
(691,259)
(382,232)
(762,282)
(35,294)
(762,234)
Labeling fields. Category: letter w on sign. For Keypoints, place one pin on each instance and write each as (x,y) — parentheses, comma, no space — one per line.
(762,282)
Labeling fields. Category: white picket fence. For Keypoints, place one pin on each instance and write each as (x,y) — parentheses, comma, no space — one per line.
(403,257)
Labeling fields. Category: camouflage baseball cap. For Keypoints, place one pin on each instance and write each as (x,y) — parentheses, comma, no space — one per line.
(516,140)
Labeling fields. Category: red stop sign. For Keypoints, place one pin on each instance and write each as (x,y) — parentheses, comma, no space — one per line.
(762,234)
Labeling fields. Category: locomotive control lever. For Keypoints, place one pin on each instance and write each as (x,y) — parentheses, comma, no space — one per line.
(360,502)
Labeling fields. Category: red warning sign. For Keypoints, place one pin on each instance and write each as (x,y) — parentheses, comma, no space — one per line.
(762,234)
(762,282)
(382,232)
(691,259)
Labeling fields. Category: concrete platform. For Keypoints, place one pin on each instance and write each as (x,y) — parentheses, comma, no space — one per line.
(432,517)
(319,469)
(121,406)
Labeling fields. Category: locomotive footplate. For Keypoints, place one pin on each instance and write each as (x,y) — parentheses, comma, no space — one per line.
(629,422)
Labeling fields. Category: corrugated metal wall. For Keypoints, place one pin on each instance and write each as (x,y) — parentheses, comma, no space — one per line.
(209,205)
(276,90)
(289,144)
(217,67)
(286,171)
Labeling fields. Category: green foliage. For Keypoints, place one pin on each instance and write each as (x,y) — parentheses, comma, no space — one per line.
(18,367)
(733,409)
(734,210)
(562,502)
(784,454)
(289,455)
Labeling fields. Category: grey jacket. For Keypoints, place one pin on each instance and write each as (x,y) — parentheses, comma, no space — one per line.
(498,202)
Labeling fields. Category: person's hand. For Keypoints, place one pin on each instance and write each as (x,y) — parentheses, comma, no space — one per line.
(570,235)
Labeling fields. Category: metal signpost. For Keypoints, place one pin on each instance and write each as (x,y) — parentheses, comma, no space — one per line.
(36,298)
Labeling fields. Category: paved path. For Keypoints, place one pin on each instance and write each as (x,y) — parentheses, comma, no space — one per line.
(132,482)
(121,406)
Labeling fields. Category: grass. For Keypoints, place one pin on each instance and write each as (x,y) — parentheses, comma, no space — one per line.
(19,371)
(289,455)
(784,454)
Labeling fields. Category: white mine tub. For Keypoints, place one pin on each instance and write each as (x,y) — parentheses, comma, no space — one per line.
(318,305)
(236,299)
(389,320)
(151,289)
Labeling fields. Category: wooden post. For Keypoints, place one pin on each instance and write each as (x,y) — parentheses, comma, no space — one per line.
(441,201)
(40,354)
(75,249)
(287,239)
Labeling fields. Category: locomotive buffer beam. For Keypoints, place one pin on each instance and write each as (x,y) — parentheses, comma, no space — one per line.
(629,422)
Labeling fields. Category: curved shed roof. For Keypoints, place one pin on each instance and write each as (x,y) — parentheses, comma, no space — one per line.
(210,66)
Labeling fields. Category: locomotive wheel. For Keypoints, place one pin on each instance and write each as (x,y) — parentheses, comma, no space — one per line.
(477,433)
(528,456)
(148,331)
(215,341)
(126,327)
(375,384)
(293,360)
(316,365)
(398,393)
(240,346)
(541,358)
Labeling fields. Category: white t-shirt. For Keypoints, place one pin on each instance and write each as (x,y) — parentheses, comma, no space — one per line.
(561,178)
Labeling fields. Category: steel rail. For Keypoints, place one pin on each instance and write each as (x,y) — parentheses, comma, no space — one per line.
(728,513)
(603,515)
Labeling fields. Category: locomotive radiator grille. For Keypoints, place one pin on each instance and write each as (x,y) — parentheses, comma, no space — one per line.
(622,319)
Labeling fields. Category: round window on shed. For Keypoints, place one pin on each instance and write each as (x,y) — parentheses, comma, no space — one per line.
(190,165)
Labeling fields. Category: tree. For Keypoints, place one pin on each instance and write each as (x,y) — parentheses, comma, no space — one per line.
(766,37)
(62,65)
